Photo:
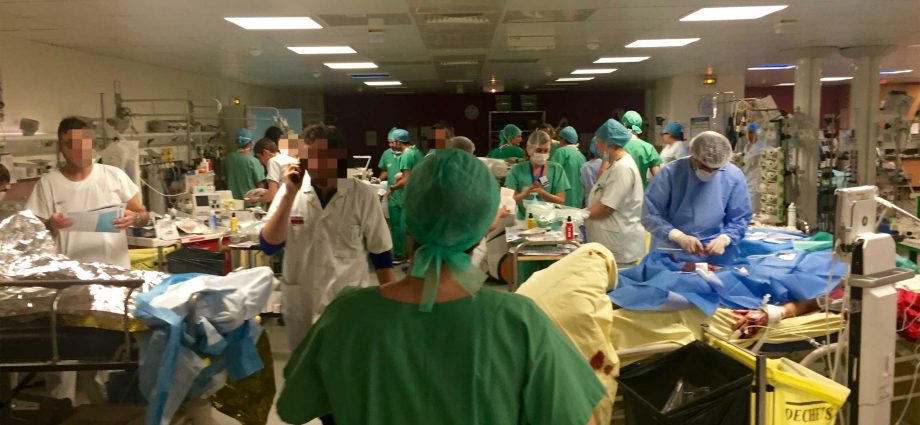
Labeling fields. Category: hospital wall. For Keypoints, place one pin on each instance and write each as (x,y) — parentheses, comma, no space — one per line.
(835,99)
(358,114)
(47,83)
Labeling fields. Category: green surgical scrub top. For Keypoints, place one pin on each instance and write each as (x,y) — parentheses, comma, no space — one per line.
(489,359)
(389,162)
(521,176)
(242,173)
(645,156)
(407,161)
(571,161)
(506,152)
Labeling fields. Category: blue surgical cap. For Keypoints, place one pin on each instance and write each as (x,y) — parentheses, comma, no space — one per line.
(753,126)
(401,136)
(613,133)
(675,129)
(633,121)
(569,134)
(593,148)
(243,137)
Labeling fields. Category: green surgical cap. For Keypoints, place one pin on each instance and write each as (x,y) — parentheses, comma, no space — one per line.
(633,121)
(613,133)
(569,134)
(400,135)
(390,135)
(451,200)
(509,132)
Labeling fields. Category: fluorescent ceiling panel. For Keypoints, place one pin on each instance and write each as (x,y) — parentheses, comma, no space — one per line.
(785,84)
(896,71)
(322,50)
(832,79)
(351,65)
(771,67)
(593,71)
(622,59)
(382,83)
(276,23)
(735,13)
(661,42)
(568,79)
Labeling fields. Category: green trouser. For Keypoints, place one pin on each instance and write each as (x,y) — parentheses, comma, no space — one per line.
(397,229)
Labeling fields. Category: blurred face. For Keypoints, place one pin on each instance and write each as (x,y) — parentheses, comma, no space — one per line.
(440,138)
(264,156)
(77,147)
(325,164)
(699,166)
(516,141)
(392,145)
(668,138)
(290,147)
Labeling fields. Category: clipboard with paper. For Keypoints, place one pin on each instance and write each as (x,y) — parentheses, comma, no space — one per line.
(97,220)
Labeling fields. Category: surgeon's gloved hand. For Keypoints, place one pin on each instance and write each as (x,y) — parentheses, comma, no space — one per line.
(688,243)
(717,245)
(255,194)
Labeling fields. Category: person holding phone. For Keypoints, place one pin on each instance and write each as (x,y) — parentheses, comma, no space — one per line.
(330,227)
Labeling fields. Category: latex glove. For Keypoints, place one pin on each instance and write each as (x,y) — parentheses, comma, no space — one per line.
(127,219)
(58,222)
(688,243)
(255,194)
(717,245)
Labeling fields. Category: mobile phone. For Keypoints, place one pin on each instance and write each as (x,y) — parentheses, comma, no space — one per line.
(297,178)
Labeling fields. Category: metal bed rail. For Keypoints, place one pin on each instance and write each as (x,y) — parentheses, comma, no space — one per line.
(517,255)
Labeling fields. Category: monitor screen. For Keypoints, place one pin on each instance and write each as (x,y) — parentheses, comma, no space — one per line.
(202,200)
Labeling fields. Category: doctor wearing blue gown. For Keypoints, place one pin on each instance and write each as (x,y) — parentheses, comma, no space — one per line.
(699,204)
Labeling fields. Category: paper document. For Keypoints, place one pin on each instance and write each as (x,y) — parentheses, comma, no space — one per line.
(99,220)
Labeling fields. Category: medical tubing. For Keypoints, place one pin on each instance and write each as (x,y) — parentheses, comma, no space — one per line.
(158,192)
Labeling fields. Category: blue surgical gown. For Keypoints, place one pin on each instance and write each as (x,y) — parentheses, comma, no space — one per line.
(589,171)
(677,198)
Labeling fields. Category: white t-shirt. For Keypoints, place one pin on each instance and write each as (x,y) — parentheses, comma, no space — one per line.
(105,186)
(674,151)
(619,188)
(276,166)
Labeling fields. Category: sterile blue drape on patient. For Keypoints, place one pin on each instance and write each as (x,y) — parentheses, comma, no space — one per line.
(786,274)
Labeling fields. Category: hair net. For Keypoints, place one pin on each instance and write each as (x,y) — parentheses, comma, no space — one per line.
(451,200)
(509,132)
(569,134)
(675,129)
(243,137)
(593,148)
(400,135)
(613,133)
(633,121)
(390,134)
(753,126)
(711,148)
(537,139)
(462,143)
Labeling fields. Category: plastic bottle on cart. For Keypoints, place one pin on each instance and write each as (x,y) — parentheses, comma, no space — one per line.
(569,230)
(531,223)
(791,215)
(212,222)
(233,222)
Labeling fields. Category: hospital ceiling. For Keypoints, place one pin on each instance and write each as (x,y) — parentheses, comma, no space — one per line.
(436,45)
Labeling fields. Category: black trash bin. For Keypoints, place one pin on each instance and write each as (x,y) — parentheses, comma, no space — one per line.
(716,389)
(194,260)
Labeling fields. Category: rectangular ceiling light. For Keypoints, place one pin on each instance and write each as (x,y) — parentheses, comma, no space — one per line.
(351,65)
(896,71)
(832,79)
(569,79)
(737,13)
(593,71)
(623,59)
(382,83)
(661,42)
(771,67)
(785,84)
(277,23)
(368,76)
(322,50)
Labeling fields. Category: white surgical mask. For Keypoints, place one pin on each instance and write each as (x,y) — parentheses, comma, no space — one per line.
(705,175)
(540,158)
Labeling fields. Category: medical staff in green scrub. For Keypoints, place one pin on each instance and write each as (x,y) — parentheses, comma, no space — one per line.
(642,152)
(509,140)
(389,166)
(538,178)
(434,348)
(409,158)
(571,160)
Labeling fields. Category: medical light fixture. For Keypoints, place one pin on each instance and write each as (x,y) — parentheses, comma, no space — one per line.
(593,71)
(369,76)
(570,79)
(784,85)
(832,79)
(382,83)
(322,50)
(623,59)
(896,71)
(351,65)
(771,67)
(661,42)
(735,13)
(275,23)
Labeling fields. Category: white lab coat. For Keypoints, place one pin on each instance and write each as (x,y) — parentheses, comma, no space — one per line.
(327,250)
(620,188)
(674,151)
